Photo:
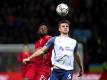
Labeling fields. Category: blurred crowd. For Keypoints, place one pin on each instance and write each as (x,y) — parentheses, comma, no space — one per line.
(19,20)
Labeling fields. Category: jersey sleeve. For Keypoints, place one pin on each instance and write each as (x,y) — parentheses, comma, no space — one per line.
(50,43)
(76,48)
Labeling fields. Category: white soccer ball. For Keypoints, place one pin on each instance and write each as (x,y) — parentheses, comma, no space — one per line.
(62,9)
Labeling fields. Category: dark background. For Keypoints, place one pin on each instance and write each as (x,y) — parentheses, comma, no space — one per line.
(19,21)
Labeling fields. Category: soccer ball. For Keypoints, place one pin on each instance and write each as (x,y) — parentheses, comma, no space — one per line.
(62,9)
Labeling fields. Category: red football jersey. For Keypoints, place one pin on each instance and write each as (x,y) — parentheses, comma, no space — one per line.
(23,55)
(43,60)
(20,57)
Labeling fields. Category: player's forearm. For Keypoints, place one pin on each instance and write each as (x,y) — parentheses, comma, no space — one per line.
(79,61)
(35,54)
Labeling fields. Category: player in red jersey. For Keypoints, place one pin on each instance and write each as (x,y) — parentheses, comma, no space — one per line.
(41,68)
(22,55)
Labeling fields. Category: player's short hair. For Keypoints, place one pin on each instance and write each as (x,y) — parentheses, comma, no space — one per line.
(43,24)
(63,21)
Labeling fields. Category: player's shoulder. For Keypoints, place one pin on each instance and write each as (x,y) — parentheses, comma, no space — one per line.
(72,39)
(54,37)
(21,53)
(48,36)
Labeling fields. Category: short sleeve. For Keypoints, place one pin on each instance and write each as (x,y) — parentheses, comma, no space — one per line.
(76,47)
(50,43)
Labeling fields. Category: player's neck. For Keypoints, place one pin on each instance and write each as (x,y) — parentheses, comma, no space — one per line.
(64,35)
(41,36)
(26,52)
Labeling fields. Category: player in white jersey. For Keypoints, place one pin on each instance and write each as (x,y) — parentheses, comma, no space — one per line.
(63,54)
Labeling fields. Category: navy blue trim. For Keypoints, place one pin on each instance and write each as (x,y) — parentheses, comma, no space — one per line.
(76,47)
(50,43)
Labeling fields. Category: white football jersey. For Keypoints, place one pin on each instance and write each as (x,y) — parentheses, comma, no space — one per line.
(63,52)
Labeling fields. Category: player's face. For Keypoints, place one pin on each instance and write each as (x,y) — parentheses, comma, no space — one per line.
(26,48)
(64,28)
(43,30)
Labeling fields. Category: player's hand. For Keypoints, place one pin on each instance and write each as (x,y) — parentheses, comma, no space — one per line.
(80,73)
(26,60)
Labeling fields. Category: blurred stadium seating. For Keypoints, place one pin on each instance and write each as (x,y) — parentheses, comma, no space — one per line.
(19,20)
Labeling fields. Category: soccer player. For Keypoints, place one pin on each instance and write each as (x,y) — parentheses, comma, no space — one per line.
(22,55)
(63,54)
(41,68)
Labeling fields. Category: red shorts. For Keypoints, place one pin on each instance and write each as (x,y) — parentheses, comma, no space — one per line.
(38,73)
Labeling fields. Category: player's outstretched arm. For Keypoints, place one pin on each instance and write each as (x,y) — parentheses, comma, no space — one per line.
(42,50)
(35,54)
(79,61)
